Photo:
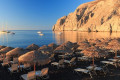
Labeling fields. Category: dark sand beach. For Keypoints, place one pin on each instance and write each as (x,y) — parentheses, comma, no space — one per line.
(65,74)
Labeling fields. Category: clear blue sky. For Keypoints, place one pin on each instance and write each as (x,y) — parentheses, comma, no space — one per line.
(35,14)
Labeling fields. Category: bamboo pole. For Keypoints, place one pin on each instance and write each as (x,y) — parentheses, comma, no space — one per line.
(19,65)
(34,66)
(115,53)
(93,60)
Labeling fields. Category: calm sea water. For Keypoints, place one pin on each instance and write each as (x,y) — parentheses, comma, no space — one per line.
(23,38)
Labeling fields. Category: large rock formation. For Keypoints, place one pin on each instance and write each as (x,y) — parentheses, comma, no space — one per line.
(99,15)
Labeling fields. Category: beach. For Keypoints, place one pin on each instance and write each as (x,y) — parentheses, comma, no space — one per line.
(87,60)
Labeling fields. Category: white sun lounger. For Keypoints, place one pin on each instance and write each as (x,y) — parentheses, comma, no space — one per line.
(32,74)
(78,70)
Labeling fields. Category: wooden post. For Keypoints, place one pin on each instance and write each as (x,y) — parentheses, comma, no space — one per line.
(3,56)
(115,53)
(34,66)
(93,60)
(19,65)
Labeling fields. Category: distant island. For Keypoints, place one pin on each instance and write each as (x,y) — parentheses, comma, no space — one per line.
(95,16)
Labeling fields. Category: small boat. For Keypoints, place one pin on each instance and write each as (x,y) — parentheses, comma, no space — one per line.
(39,32)
(5,31)
(12,33)
(59,33)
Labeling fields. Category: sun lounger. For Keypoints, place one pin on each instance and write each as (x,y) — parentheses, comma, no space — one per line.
(71,62)
(58,64)
(24,77)
(84,58)
(13,68)
(27,67)
(52,58)
(95,68)
(43,73)
(108,63)
(31,75)
(34,74)
(15,60)
(85,71)
(6,62)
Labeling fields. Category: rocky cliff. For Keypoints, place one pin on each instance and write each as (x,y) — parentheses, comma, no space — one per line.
(99,15)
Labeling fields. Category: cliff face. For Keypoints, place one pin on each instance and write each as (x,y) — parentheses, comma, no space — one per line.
(99,15)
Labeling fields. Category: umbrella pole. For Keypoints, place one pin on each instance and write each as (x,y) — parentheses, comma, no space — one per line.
(3,56)
(93,60)
(116,54)
(19,65)
(34,67)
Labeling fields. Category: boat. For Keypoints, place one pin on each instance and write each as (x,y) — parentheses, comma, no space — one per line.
(59,33)
(12,33)
(6,31)
(39,32)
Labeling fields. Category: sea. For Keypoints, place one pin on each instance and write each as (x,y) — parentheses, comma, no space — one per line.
(23,38)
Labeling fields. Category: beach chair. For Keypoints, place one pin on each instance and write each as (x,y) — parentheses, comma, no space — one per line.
(6,62)
(59,64)
(95,69)
(1,58)
(31,75)
(106,64)
(52,57)
(71,62)
(43,73)
(85,71)
(26,66)
(15,60)
(13,68)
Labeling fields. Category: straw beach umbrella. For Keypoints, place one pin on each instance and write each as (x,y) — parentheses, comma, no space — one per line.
(5,50)
(92,52)
(1,47)
(15,52)
(92,41)
(101,44)
(53,46)
(63,49)
(45,49)
(115,45)
(34,57)
(32,47)
(69,45)
(82,45)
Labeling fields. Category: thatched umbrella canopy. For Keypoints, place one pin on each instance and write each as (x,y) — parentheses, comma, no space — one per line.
(53,46)
(15,52)
(45,49)
(34,57)
(1,47)
(101,44)
(69,45)
(107,40)
(114,45)
(94,41)
(5,50)
(93,52)
(63,49)
(82,45)
(32,47)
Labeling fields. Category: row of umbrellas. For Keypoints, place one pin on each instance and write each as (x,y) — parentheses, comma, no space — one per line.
(35,54)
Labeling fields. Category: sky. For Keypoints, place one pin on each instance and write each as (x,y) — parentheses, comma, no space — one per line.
(34,14)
